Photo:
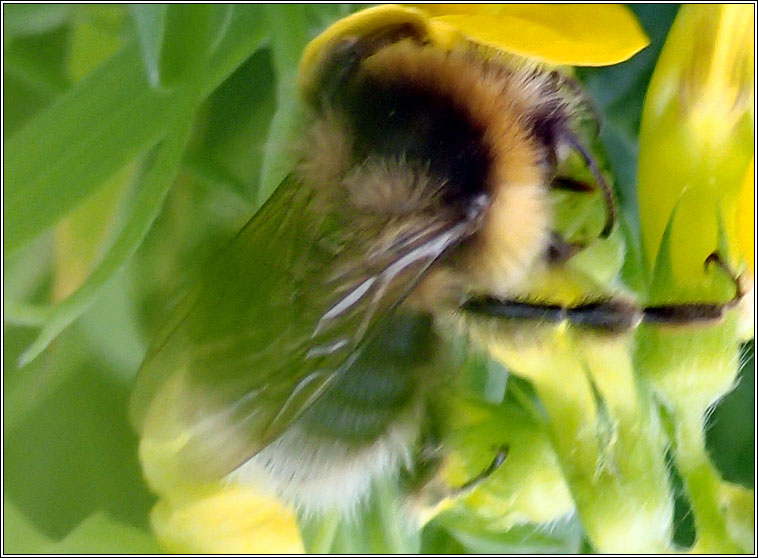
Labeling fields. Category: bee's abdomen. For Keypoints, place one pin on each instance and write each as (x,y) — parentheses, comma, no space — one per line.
(364,427)
(362,408)
(383,382)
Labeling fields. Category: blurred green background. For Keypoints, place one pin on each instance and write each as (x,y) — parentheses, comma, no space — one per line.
(137,140)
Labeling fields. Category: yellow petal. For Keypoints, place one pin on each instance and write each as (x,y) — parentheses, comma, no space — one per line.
(229,520)
(696,137)
(201,516)
(746,248)
(746,219)
(580,35)
(558,34)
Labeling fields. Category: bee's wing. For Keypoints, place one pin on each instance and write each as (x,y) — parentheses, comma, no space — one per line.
(282,313)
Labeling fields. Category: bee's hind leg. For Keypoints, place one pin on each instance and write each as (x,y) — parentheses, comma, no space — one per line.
(612,316)
(469,485)
(607,316)
(715,258)
(696,312)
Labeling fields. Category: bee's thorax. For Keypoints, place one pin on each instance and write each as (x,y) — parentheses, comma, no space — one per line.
(419,129)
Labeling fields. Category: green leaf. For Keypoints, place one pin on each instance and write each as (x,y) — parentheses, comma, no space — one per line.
(31,19)
(25,390)
(189,34)
(175,39)
(319,532)
(286,48)
(96,36)
(99,534)
(237,116)
(71,452)
(634,272)
(69,149)
(150,21)
(389,529)
(158,178)
(38,63)
(563,537)
(730,439)
(154,189)
(82,235)
(25,270)
(436,540)
(19,534)
(237,41)
(34,75)
(110,328)
(382,525)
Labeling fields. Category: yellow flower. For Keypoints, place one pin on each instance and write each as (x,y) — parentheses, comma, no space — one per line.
(227,519)
(201,516)
(558,34)
(746,247)
(746,219)
(573,35)
(696,139)
(696,196)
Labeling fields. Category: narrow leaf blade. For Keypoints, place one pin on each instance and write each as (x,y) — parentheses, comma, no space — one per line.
(154,188)
(72,147)
(150,21)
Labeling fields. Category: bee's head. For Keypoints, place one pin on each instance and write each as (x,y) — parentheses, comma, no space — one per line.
(410,126)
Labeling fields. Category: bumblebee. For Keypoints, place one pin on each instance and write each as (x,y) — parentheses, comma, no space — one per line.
(309,360)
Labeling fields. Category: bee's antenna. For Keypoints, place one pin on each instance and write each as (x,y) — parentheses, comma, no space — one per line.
(610,204)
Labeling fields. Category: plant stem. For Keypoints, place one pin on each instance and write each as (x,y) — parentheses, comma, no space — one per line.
(703,485)
(606,436)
